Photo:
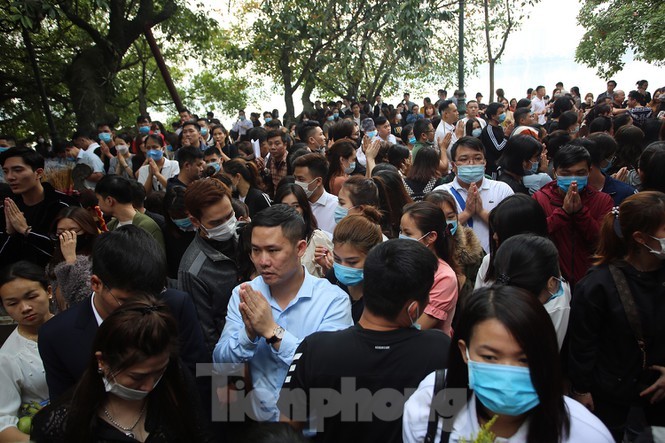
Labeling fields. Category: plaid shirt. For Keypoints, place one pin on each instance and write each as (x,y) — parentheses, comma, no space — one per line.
(277,170)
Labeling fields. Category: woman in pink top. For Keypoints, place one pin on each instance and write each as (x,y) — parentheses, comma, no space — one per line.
(426,223)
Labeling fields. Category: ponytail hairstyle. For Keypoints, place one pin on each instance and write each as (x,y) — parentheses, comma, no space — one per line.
(362,230)
(429,218)
(643,212)
(340,149)
(371,192)
(527,261)
(247,170)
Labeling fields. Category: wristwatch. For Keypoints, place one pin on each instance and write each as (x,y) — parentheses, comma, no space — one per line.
(277,335)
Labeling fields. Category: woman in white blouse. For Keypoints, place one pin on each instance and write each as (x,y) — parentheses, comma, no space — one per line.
(25,295)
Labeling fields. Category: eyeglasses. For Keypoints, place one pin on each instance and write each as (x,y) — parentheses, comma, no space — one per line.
(479,160)
(112,295)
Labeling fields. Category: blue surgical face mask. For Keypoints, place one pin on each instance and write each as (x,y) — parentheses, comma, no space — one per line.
(565,182)
(559,291)
(155,154)
(502,118)
(405,237)
(242,118)
(144,130)
(476,132)
(335,115)
(3,148)
(330,118)
(412,140)
(204,131)
(348,276)
(470,173)
(105,137)
(371,134)
(503,389)
(340,213)
(184,224)
(215,165)
(351,168)
(414,321)
(533,169)
(453,226)
(267,119)
(609,165)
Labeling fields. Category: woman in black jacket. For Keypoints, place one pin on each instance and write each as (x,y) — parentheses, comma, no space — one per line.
(617,359)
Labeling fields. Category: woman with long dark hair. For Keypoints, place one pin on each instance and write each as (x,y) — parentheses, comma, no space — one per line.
(426,223)
(318,242)
(520,157)
(342,162)
(505,368)
(134,387)
(424,175)
(75,231)
(617,339)
(396,197)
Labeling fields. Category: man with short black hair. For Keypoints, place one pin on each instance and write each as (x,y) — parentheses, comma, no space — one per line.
(88,158)
(636,107)
(310,133)
(494,136)
(383,351)
(475,194)
(472,111)
(138,202)
(106,150)
(423,131)
(118,276)
(191,165)
(191,135)
(407,101)
(602,150)
(309,171)
(242,125)
(574,211)
(443,94)
(611,85)
(29,210)
(277,143)
(204,130)
(268,317)
(523,117)
(539,105)
(447,133)
(115,196)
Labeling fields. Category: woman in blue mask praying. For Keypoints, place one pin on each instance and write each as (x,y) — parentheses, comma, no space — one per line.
(134,386)
(505,367)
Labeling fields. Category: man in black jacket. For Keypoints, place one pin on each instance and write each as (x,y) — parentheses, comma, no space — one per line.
(126,263)
(29,210)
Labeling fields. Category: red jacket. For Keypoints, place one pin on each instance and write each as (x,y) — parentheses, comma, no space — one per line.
(576,235)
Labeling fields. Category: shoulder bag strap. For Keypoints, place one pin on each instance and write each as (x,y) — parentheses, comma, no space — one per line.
(630,308)
(462,204)
(439,382)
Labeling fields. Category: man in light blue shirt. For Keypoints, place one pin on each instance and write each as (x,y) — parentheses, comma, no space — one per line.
(268,317)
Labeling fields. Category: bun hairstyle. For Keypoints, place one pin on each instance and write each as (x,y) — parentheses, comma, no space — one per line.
(363,230)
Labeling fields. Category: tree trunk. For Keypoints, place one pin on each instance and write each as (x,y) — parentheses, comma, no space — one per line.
(89,80)
(491,65)
(307,105)
(288,85)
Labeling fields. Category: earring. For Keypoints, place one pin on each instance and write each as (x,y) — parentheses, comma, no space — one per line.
(99,370)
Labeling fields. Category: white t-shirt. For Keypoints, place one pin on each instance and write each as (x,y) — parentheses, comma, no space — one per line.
(170,169)
(538,105)
(584,426)
(492,192)
(91,159)
(558,309)
(441,131)
(324,211)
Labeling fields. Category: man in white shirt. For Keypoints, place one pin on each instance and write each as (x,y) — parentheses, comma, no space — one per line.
(472,112)
(383,129)
(310,170)
(449,117)
(475,194)
(87,158)
(539,106)
(242,125)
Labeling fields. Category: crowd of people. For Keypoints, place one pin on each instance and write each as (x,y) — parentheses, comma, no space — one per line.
(368,272)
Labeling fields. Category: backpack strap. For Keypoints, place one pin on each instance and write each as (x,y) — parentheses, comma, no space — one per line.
(439,383)
(629,306)
(462,204)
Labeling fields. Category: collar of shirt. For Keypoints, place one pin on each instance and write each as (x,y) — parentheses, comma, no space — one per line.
(98,317)
(305,291)
(323,200)
(458,187)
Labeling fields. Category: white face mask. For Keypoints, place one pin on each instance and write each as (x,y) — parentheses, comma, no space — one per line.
(660,254)
(124,392)
(222,232)
(123,149)
(305,187)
